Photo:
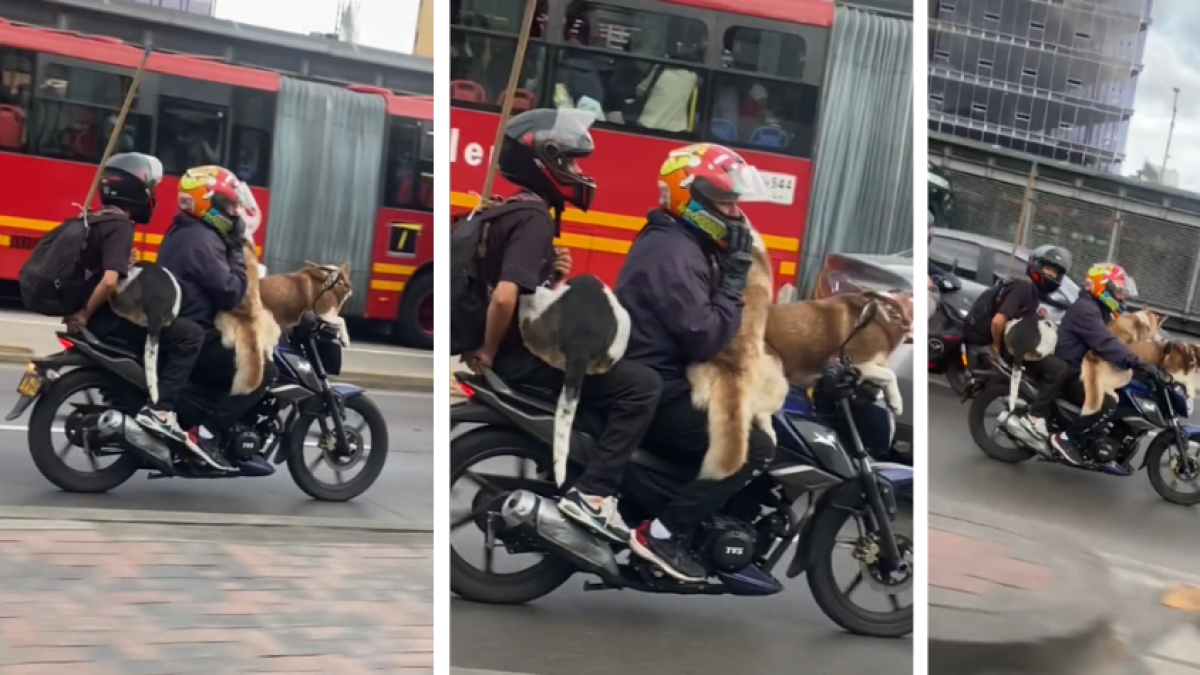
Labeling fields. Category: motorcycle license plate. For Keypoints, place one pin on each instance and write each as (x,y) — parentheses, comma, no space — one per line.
(31,384)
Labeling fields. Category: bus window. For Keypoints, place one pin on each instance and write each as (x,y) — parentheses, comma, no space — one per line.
(631,67)
(75,110)
(406,186)
(251,139)
(765,106)
(190,134)
(764,51)
(483,44)
(16,85)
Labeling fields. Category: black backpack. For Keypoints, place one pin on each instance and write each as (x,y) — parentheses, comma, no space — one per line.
(52,280)
(469,290)
(977,327)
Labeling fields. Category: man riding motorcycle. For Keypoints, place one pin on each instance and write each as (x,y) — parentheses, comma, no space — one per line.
(1083,329)
(683,312)
(204,250)
(1018,299)
(539,154)
(127,188)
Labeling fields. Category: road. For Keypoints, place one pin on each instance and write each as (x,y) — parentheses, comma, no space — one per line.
(1150,544)
(404,492)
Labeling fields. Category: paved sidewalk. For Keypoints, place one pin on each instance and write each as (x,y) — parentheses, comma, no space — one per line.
(1017,599)
(131,599)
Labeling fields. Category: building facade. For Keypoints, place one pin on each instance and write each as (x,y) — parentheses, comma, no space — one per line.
(1053,78)
(205,7)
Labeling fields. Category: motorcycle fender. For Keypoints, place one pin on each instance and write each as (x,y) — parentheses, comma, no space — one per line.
(899,475)
(1187,429)
(847,495)
(346,391)
(474,413)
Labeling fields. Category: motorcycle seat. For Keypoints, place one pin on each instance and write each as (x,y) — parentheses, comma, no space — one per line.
(110,348)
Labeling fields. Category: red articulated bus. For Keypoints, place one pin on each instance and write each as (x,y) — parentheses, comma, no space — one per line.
(341,173)
(658,74)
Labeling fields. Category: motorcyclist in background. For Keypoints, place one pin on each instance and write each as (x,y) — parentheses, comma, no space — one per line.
(1084,329)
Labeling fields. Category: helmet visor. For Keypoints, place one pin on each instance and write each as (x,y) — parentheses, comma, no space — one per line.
(573,128)
(154,171)
(740,183)
(1131,289)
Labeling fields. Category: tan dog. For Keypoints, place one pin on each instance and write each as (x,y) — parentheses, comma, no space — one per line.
(321,289)
(808,334)
(249,330)
(744,384)
(1102,379)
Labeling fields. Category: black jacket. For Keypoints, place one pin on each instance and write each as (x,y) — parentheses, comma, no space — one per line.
(199,258)
(1083,329)
(677,317)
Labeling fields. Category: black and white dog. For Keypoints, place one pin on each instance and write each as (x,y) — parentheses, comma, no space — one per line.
(581,329)
(148,297)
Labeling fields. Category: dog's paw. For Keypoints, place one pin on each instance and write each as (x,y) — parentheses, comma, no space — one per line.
(895,401)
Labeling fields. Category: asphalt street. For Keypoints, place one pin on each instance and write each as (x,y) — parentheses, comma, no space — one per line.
(602,632)
(1121,518)
(403,492)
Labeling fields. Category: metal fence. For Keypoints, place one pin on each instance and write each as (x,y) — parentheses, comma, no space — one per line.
(1163,256)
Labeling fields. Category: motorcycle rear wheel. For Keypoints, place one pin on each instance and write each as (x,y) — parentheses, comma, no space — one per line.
(517,588)
(823,585)
(979,434)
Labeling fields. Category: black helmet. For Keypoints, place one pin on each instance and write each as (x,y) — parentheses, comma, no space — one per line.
(1055,257)
(129,181)
(539,153)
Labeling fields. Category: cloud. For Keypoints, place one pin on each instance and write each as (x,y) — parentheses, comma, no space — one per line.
(1172,59)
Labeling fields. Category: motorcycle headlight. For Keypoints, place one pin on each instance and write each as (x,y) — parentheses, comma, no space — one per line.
(962,312)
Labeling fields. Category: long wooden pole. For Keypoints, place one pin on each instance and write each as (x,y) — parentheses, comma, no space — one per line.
(116,132)
(1026,215)
(514,77)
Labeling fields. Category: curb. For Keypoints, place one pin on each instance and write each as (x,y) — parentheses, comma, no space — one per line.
(69,514)
(1065,640)
(472,671)
(407,382)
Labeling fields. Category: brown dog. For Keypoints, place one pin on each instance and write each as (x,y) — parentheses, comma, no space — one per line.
(744,384)
(807,335)
(248,330)
(1102,379)
(274,304)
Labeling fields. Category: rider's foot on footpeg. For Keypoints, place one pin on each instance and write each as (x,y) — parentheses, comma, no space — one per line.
(598,514)
(1066,449)
(669,553)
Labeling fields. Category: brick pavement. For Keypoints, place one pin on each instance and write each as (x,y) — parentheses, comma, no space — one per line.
(84,599)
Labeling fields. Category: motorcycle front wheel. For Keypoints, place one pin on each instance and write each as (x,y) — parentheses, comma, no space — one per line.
(1174,477)
(368,458)
(835,602)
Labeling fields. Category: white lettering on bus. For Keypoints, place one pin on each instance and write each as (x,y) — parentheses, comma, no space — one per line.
(473,153)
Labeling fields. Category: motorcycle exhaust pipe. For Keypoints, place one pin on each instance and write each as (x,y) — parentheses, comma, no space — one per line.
(536,515)
(114,425)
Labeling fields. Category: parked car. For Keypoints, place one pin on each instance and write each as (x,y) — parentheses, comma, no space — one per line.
(853,273)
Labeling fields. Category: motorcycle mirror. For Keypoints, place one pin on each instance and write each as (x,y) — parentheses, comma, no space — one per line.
(949,284)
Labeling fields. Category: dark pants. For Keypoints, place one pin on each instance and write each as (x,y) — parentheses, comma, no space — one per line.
(628,394)
(179,347)
(681,432)
(215,369)
(1053,374)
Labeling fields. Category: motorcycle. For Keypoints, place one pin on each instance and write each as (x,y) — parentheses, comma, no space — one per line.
(1148,423)
(947,348)
(106,428)
(823,456)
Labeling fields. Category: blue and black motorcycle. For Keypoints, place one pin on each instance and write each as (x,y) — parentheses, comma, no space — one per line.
(112,383)
(824,458)
(1147,425)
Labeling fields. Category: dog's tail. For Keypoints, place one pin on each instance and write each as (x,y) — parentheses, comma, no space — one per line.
(729,421)
(153,329)
(564,417)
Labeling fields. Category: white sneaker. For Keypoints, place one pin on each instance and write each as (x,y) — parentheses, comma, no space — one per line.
(598,514)
(1036,426)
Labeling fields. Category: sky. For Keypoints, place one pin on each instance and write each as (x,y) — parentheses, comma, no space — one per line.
(1172,59)
(385,24)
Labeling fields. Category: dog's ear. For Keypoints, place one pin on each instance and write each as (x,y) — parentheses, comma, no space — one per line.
(309,263)
(345,268)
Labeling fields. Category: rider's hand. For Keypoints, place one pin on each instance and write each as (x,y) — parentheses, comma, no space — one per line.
(479,359)
(235,254)
(1041,311)
(736,259)
(76,322)
(1149,372)
(562,262)
(994,349)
